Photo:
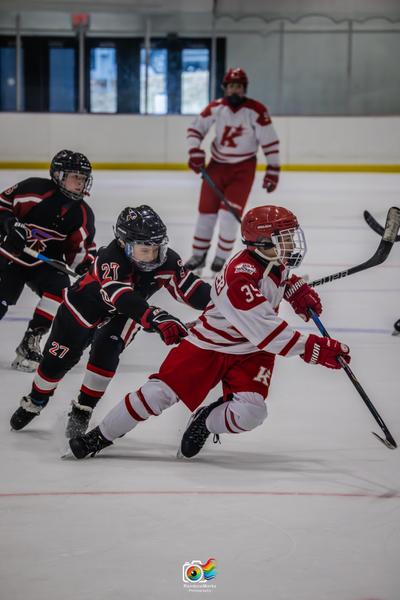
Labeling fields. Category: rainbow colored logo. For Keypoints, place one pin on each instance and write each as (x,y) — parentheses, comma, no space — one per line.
(197,572)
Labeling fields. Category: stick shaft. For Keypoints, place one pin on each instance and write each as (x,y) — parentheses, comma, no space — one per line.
(220,194)
(56,264)
(356,383)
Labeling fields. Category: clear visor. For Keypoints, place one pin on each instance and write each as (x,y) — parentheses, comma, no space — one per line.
(147,256)
(290,246)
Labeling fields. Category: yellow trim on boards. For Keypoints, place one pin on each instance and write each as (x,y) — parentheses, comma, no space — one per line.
(356,168)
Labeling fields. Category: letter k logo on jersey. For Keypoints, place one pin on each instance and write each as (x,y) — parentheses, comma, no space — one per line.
(229,135)
(263,376)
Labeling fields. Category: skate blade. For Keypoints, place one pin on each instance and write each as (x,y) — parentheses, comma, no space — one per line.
(395,333)
(179,455)
(68,455)
(25,366)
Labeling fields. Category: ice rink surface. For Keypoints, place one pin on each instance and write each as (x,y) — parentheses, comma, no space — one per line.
(306,507)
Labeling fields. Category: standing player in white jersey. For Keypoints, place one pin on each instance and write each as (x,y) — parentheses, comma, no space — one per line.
(235,342)
(241,126)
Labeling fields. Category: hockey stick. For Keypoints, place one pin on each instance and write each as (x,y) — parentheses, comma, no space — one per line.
(373,223)
(385,245)
(389,441)
(220,195)
(57,264)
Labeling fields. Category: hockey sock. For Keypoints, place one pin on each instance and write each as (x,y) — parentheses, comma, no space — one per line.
(203,232)
(151,399)
(94,385)
(228,227)
(45,311)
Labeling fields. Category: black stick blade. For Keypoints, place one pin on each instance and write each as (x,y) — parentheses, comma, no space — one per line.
(390,227)
(389,442)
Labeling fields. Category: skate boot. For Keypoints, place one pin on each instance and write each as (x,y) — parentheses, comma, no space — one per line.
(28,352)
(396,326)
(217,264)
(196,432)
(89,444)
(27,411)
(196,262)
(78,420)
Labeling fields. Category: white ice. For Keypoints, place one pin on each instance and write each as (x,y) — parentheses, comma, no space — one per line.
(307,507)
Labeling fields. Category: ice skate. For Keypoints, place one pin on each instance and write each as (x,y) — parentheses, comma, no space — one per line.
(27,411)
(196,263)
(89,444)
(28,352)
(196,432)
(78,420)
(217,264)
(396,326)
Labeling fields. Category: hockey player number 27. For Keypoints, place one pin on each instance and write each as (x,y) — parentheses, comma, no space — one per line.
(58,350)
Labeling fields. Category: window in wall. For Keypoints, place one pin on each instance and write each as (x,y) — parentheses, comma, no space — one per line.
(157,97)
(103,80)
(195,80)
(49,74)
(62,92)
(115,74)
(7,78)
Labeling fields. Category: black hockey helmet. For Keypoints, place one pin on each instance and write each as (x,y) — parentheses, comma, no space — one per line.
(142,225)
(67,161)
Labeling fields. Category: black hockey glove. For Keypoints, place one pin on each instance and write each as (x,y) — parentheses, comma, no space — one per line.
(168,327)
(84,267)
(16,235)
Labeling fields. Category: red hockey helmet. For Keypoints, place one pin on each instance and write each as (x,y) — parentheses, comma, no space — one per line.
(274,227)
(235,76)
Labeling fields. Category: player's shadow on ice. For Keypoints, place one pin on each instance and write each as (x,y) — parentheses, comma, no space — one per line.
(32,434)
(129,450)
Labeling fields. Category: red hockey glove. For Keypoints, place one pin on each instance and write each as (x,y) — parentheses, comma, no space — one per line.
(16,235)
(170,328)
(197,159)
(301,297)
(271,179)
(324,351)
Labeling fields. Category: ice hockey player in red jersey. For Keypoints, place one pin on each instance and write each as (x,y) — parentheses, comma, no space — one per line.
(51,217)
(235,342)
(106,308)
(241,126)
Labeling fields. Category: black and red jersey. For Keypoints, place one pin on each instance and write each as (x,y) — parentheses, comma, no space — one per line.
(60,228)
(116,286)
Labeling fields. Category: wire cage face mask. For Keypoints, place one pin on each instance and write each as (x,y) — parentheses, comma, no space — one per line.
(60,180)
(290,246)
(143,265)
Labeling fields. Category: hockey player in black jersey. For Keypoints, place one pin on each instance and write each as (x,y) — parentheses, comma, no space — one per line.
(51,217)
(106,307)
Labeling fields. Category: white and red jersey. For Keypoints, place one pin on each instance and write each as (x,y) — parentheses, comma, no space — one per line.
(242,316)
(239,132)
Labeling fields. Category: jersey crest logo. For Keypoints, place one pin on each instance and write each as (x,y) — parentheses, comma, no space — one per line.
(245,268)
(229,135)
(39,236)
(263,376)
